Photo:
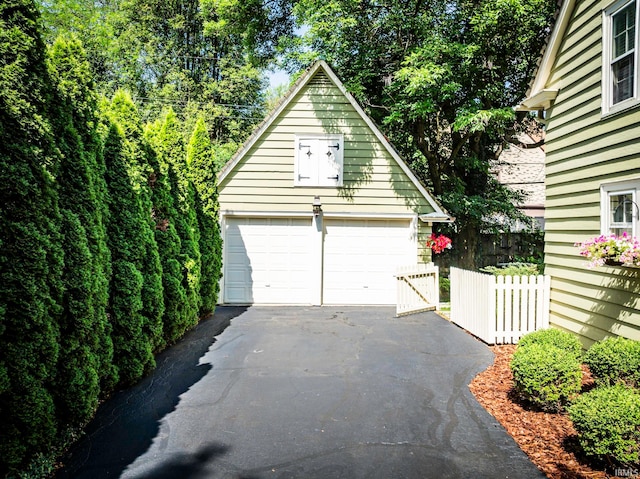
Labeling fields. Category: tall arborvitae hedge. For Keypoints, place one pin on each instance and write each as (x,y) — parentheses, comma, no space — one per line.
(86,347)
(137,156)
(98,233)
(133,350)
(178,315)
(201,167)
(172,152)
(31,258)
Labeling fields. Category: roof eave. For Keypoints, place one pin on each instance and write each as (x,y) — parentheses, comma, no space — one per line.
(541,100)
(541,79)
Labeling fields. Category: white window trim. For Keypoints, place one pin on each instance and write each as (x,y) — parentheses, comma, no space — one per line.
(625,187)
(608,108)
(330,137)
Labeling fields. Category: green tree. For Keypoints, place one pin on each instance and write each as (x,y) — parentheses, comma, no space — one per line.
(172,154)
(136,293)
(31,259)
(203,172)
(95,25)
(140,163)
(81,187)
(178,315)
(77,382)
(192,54)
(442,78)
(133,351)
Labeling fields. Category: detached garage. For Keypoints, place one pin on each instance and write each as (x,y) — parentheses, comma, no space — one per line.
(317,207)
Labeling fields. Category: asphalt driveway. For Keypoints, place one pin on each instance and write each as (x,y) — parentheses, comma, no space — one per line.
(294,392)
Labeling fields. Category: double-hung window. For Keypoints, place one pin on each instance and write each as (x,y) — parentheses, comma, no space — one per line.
(619,208)
(620,56)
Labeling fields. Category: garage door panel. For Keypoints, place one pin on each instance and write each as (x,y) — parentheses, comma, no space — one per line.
(267,260)
(361,258)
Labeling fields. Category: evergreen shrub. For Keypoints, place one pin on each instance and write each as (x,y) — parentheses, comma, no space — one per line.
(546,376)
(615,360)
(553,337)
(607,420)
(513,269)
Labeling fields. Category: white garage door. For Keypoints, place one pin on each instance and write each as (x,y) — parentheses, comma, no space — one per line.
(267,260)
(361,257)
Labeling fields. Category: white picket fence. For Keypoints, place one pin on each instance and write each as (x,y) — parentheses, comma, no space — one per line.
(418,288)
(499,309)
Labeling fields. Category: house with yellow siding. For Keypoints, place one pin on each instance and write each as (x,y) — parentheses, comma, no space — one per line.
(588,86)
(317,207)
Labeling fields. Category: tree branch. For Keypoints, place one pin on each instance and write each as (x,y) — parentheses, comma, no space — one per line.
(526,146)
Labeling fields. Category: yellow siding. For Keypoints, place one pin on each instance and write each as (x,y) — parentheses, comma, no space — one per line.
(373,181)
(585,150)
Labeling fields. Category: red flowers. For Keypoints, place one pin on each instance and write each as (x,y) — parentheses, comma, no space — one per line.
(438,243)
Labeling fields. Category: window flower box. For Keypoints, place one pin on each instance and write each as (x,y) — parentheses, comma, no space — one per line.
(611,250)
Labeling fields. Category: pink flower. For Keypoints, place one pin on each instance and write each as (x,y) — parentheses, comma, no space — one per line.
(438,243)
(623,249)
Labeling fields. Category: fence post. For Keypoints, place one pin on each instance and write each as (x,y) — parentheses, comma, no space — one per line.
(492,318)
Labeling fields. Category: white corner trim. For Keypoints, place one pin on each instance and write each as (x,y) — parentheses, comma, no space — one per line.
(369,216)
(267,214)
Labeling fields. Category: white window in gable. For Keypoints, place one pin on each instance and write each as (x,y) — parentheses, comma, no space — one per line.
(619,208)
(319,160)
(620,61)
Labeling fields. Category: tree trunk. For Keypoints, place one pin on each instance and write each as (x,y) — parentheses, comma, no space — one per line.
(466,246)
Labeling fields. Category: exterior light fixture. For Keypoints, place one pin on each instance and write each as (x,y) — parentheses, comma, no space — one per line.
(317,206)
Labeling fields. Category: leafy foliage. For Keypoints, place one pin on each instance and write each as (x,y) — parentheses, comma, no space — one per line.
(513,269)
(545,375)
(126,225)
(172,230)
(615,360)
(196,55)
(136,155)
(442,78)
(172,155)
(553,337)
(31,255)
(202,171)
(607,420)
(84,205)
(82,190)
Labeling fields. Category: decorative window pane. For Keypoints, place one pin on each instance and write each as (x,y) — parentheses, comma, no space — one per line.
(619,208)
(318,161)
(623,79)
(624,30)
(621,213)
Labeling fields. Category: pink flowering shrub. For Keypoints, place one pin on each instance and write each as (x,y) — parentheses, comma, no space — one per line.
(438,243)
(622,249)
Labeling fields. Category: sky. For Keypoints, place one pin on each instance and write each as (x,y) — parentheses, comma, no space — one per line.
(277,78)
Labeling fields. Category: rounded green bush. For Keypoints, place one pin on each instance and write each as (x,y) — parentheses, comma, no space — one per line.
(553,337)
(615,360)
(546,376)
(607,420)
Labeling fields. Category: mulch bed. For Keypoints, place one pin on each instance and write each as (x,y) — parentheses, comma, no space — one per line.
(549,440)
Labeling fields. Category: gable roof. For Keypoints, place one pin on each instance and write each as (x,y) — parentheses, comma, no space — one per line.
(438,215)
(539,97)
